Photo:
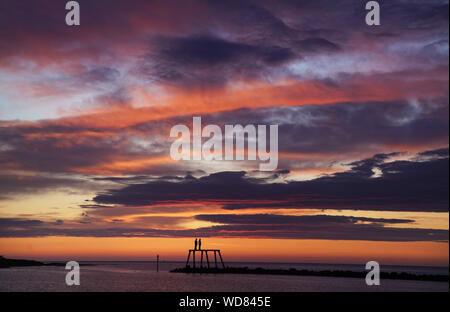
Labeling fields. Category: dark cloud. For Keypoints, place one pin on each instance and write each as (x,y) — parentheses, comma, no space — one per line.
(402,186)
(19,223)
(204,59)
(50,154)
(255,226)
(316,45)
(443,152)
(209,51)
(340,127)
(12,185)
(270,219)
(63,146)
(344,127)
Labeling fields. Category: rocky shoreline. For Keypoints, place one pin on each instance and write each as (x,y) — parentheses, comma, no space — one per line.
(246,270)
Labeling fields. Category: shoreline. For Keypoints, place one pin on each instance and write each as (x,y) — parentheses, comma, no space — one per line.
(11,263)
(325,273)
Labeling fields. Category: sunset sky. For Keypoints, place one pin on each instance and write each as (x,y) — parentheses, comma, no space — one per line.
(362,114)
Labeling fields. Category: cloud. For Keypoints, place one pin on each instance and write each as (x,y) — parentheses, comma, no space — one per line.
(209,51)
(402,186)
(310,137)
(443,152)
(208,60)
(254,226)
(103,96)
(348,127)
(208,43)
(270,219)
(311,45)
(19,223)
(12,185)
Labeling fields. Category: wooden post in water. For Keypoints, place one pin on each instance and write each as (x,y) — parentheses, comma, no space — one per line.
(157,263)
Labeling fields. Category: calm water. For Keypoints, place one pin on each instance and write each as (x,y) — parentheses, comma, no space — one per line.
(142,276)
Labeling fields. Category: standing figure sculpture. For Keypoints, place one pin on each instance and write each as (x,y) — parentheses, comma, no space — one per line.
(195,246)
(200,244)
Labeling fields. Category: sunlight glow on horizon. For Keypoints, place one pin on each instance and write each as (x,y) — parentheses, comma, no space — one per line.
(233,249)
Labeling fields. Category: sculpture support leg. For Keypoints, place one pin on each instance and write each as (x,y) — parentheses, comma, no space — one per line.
(221,260)
(188,257)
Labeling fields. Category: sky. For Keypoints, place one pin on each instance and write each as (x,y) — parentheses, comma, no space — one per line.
(362,114)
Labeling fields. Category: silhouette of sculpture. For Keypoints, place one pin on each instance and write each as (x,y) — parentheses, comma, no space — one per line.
(195,247)
(200,244)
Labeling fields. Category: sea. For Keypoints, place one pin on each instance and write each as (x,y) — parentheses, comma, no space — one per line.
(142,276)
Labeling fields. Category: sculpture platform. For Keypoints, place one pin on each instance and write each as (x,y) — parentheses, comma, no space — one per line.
(204,254)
